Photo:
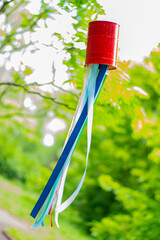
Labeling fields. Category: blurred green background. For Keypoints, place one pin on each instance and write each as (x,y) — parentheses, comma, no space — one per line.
(120,198)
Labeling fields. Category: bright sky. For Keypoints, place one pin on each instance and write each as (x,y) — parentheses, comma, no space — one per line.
(139,25)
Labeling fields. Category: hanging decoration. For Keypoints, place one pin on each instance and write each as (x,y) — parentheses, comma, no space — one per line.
(101,56)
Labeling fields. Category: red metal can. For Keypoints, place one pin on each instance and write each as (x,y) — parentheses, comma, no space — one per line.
(102,44)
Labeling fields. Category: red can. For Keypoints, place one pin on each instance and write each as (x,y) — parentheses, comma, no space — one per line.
(102,44)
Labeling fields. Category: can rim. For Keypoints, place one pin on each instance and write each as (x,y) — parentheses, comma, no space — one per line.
(104,22)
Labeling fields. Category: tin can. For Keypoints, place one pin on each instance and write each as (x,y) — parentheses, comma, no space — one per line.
(102,43)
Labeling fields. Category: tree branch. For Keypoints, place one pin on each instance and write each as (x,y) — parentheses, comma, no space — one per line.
(21,114)
(15,8)
(38,85)
(5,3)
(54,85)
(24,87)
(4,92)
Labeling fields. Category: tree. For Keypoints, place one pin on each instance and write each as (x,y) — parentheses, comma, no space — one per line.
(124,189)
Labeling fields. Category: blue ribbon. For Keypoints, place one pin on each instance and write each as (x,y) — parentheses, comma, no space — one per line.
(56,172)
(49,203)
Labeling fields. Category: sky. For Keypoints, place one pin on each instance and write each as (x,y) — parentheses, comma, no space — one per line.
(139,33)
(139,26)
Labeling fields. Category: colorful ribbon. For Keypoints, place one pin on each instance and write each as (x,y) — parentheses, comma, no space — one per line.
(95,75)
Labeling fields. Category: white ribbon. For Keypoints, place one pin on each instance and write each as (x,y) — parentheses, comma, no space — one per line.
(49,200)
(90,91)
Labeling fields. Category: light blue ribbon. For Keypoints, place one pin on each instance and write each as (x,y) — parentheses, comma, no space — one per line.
(90,96)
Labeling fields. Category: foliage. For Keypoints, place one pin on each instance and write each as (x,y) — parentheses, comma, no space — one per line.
(25,130)
(124,189)
(84,12)
(13,195)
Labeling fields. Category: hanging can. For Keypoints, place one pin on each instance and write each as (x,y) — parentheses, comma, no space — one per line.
(102,43)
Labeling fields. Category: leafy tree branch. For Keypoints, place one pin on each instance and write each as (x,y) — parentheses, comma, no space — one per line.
(25,88)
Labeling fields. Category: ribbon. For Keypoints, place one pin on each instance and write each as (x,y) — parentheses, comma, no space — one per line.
(44,209)
(90,91)
(89,96)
